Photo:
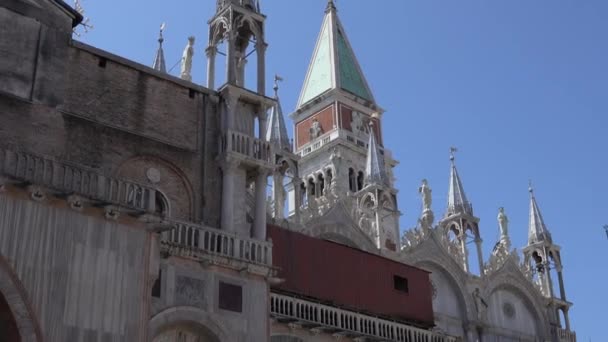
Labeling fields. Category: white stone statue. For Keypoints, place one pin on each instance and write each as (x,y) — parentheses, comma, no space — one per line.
(503,222)
(186,63)
(427,198)
(315,129)
(480,304)
(356,123)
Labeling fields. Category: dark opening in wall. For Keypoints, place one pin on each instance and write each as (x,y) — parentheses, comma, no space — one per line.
(102,62)
(231,297)
(156,287)
(400,284)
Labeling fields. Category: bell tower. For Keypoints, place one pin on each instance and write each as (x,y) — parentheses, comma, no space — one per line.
(337,125)
(245,156)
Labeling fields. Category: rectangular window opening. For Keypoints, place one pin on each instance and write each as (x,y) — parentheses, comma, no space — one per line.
(231,297)
(400,284)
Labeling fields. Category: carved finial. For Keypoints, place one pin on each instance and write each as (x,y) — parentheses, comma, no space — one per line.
(453,150)
(277,79)
(530,187)
(331,6)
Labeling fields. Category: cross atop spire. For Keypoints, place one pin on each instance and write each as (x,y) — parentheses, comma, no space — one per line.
(537,230)
(276,132)
(457,199)
(334,65)
(159,59)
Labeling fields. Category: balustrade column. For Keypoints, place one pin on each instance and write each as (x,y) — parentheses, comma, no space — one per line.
(259,225)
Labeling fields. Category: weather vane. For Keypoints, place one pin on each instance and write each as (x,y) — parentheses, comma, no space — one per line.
(453,150)
(277,79)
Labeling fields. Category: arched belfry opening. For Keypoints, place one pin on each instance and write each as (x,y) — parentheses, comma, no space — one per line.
(236,36)
(9,331)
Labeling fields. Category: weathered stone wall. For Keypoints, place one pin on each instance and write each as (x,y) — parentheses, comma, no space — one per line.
(84,275)
(102,111)
(192,291)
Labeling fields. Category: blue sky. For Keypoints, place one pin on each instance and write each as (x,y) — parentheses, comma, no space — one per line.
(520,87)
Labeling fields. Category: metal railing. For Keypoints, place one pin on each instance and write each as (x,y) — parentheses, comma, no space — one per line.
(68,178)
(349,322)
(189,240)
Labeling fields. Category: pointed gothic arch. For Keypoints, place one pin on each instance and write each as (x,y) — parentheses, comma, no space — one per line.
(17,301)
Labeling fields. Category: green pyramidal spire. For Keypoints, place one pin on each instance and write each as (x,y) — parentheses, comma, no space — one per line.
(334,64)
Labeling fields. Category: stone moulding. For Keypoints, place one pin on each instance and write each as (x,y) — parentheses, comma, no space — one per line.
(45,176)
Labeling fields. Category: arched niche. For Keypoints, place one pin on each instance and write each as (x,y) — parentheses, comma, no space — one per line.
(8,325)
(175,191)
(15,307)
(449,305)
(186,324)
(510,313)
(185,332)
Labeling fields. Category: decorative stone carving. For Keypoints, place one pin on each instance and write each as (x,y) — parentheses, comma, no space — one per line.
(509,310)
(111,212)
(186,63)
(426,193)
(37,193)
(357,125)
(76,202)
(153,175)
(315,129)
(480,305)
(190,292)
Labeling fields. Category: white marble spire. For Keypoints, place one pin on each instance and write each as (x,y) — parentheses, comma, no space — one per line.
(457,199)
(537,230)
(276,132)
(159,59)
(375,168)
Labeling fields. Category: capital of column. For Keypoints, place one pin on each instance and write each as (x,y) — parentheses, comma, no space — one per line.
(261,47)
(211,51)
(229,164)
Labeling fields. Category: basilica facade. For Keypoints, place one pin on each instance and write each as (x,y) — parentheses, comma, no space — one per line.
(139,206)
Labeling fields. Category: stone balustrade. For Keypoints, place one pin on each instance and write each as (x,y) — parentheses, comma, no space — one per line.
(563,335)
(348,323)
(67,178)
(246,146)
(194,241)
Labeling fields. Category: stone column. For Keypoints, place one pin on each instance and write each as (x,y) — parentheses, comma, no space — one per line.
(228,179)
(263,122)
(297,190)
(241,62)
(259,225)
(230,59)
(560,278)
(279,196)
(548,281)
(261,49)
(211,54)
(465,252)
(478,242)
